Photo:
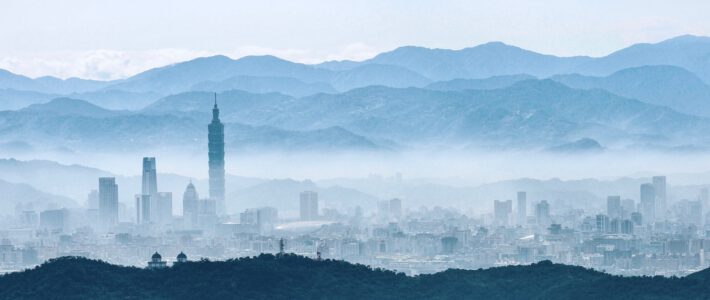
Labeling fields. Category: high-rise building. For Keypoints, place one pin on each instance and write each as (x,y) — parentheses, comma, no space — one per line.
(143,209)
(648,202)
(542,213)
(150,177)
(190,211)
(501,212)
(146,201)
(627,227)
(660,189)
(309,205)
(215,146)
(108,201)
(522,208)
(602,223)
(613,207)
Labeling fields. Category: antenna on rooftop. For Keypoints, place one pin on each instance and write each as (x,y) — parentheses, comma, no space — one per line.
(281,246)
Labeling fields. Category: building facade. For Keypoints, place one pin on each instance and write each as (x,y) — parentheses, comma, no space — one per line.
(216,160)
(108,201)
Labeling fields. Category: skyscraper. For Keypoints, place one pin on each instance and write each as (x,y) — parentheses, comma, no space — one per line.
(190,210)
(648,202)
(522,208)
(150,177)
(146,201)
(659,187)
(142,209)
(108,201)
(309,205)
(613,207)
(216,159)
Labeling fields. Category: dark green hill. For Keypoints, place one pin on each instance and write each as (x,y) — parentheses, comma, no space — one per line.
(295,277)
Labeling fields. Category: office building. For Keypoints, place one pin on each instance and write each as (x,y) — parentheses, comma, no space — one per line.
(190,202)
(143,209)
(602,223)
(648,203)
(150,177)
(660,190)
(215,147)
(108,201)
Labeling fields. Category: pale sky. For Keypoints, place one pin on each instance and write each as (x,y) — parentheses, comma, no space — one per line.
(115,39)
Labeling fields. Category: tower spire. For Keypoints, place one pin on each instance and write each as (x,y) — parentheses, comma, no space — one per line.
(215,100)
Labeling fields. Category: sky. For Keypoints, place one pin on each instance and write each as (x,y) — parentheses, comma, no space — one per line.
(116,39)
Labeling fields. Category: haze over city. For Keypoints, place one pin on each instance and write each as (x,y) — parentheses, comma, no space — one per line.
(293,139)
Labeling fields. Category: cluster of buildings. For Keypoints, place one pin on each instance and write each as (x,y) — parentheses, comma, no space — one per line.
(647,235)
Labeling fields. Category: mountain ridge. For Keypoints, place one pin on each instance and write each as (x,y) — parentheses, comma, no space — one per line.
(294,277)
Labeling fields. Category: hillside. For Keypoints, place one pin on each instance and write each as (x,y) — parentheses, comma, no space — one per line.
(668,86)
(687,51)
(295,277)
(529,114)
(17,197)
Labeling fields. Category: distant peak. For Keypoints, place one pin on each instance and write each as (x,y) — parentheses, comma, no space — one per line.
(687,38)
(260,58)
(494,43)
(215,58)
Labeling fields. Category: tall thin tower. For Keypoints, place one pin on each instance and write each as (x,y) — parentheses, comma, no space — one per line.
(215,146)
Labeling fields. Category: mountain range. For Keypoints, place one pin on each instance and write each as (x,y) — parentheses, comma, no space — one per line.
(646,96)
(529,114)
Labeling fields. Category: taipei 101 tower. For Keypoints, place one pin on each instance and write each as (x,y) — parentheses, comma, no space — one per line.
(215,146)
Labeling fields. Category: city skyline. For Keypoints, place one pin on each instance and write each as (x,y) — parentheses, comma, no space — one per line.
(418,149)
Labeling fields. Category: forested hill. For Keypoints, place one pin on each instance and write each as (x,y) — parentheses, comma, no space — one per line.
(295,277)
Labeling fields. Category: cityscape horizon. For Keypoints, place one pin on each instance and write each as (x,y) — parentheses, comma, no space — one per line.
(354,149)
